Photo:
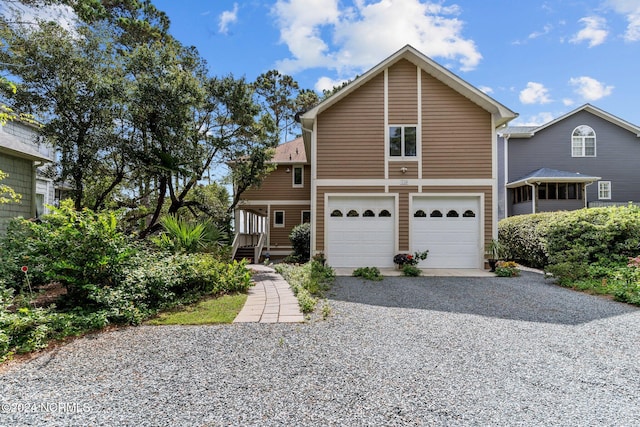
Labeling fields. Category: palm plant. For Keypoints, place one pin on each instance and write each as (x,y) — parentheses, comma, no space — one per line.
(186,236)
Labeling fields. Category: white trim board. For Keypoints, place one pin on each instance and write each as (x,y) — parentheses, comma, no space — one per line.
(488,182)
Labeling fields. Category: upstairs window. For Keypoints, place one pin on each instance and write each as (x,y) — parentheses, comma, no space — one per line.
(298,176)
(583,142)
(403,141)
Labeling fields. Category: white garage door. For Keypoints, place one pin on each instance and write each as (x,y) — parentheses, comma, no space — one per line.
(450,228)
(360,231)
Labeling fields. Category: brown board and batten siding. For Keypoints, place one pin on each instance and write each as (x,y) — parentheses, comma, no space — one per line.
(292,216)
(351,135)
(278,185)
(403,93)
(456,134)
(320,208)
(403,214)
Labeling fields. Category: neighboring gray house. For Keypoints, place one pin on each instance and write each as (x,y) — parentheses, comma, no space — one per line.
(586,158)
(20,157)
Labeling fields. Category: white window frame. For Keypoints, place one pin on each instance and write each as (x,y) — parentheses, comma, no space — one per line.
(604,190)
(293,177)
(302,216)
(275,219)
(582,143)
(402,142)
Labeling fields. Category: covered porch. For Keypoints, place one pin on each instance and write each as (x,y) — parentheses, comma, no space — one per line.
(548,190)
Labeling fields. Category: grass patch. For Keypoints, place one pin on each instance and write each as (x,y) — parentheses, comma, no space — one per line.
(209,311)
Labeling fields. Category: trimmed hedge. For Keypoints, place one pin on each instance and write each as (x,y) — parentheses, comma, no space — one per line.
(524,237)
(577,237)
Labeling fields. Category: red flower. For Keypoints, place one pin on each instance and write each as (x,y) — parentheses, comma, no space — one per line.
(409,256)
(24,268)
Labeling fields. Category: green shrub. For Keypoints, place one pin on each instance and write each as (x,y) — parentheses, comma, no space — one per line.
(300,238)
(308,282)
(369,273)
(590,235)
(524,238)
(184,236)
(411,270)
(79,249)
(507,269)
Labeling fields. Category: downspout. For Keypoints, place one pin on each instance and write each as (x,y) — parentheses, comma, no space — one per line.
(506,173)
(586,204)
(35,166)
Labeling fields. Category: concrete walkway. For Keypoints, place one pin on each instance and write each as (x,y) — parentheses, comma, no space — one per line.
(271,300)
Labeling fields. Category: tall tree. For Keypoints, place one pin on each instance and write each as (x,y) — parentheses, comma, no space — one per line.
(72,84)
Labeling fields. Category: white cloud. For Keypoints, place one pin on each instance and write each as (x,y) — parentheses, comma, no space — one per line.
(349,40)
(589,88)
(535,93)
(631,10)
(63,15)
(226,18)
(486,89)
(545,30)
(535,120)
(594,31)
(567,102)
(326,83)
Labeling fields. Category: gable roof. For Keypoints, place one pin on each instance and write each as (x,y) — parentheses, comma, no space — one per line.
(290,152)
(551,175)
(500,112)
(529,131)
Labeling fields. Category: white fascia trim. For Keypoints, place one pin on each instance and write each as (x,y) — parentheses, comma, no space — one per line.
(494,175)
(419,84)
(274,203)
(386,127)
(403,182)
(506,175)
(314,186)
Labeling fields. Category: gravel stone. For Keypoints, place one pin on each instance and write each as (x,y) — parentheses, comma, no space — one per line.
(402,351)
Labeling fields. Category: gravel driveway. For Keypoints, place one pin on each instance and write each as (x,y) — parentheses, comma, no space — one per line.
(425,351)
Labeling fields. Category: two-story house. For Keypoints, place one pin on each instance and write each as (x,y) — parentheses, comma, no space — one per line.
(402,159)
(20,157)
(585,158)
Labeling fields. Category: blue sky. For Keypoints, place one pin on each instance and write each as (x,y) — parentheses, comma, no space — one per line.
(540,58)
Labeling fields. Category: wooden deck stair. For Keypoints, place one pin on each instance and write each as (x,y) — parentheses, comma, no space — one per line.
(244,252)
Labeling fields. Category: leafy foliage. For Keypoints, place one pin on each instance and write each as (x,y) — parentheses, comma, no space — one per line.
(109,277)
(8,194)
(369,273)
(308,282)
(410,259)
(524,238)
(300,238)
(507,269)
(411,270)
(589,249)
(190,237)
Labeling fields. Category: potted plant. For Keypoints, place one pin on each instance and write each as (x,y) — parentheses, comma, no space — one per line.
(400,260)
(319,257)
(493,254)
